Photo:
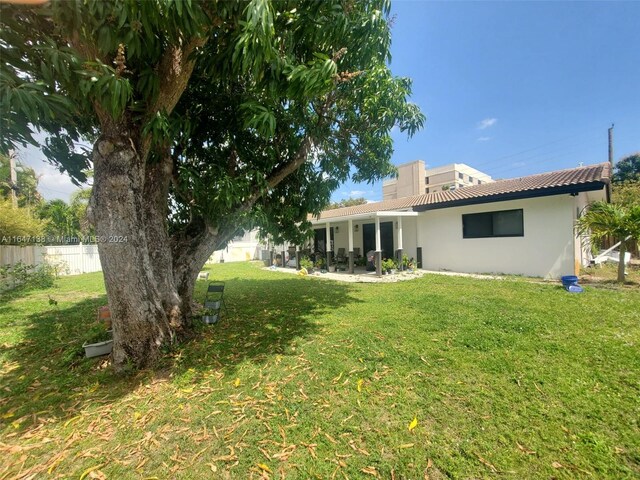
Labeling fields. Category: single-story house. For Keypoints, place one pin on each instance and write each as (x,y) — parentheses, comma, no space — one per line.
(521,226)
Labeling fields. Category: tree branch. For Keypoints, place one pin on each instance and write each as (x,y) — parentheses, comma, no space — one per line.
(174,70)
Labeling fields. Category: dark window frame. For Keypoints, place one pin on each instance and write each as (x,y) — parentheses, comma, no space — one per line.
(467,218)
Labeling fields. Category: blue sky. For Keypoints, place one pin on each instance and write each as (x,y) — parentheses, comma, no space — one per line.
(510,88)
(516,88)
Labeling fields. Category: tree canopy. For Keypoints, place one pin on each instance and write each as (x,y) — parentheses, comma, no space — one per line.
(347,202)
(627,169)
(207,118)
(18,225)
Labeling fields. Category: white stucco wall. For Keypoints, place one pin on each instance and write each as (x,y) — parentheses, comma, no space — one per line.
(409,241)
(547,248)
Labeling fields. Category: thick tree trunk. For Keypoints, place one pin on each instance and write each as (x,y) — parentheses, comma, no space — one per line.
(623,250)
(156,192)
(137,300)
(189,260)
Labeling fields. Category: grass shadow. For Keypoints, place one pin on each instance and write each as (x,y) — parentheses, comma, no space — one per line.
(265,318)
(46,377)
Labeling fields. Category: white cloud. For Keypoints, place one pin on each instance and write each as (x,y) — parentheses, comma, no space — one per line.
(483,139)
(486,123)
(355,193)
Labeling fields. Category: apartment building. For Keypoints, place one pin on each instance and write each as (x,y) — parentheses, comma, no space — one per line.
(415,179)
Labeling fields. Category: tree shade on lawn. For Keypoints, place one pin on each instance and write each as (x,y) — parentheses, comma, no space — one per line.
(206,118)
(506,378)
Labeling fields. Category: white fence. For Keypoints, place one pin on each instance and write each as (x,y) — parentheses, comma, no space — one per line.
(68,259)
(76,259)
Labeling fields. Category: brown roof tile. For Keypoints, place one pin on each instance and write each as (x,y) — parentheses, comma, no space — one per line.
(600,172)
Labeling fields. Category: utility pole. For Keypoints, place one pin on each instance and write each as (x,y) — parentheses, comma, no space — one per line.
(610,161)
(611,145)
(13,178)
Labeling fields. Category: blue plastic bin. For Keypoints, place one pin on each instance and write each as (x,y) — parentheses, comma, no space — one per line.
(568,280)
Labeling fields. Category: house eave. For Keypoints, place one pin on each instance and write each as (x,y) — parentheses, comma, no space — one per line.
(502,197)
(365,216)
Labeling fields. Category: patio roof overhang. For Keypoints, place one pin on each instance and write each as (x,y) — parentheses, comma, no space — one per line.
(365,216)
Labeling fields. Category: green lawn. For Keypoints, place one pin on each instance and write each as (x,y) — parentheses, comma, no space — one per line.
(314,379)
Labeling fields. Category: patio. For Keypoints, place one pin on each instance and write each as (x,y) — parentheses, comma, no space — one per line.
(343,236)
(360,275)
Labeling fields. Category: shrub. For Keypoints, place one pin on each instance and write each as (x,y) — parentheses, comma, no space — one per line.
(305,262)
(23,276)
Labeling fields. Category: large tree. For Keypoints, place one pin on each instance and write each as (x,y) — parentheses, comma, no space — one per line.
(627,169)
(207,118)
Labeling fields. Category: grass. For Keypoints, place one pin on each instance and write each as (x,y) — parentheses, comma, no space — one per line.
(314,379)
(607,274)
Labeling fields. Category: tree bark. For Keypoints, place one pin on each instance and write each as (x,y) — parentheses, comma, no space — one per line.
(156,192)
(140,323)
(623,250)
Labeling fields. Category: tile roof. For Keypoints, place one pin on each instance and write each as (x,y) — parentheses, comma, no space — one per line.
(582,178)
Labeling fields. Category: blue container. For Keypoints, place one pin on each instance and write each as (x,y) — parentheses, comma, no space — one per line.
(568,280)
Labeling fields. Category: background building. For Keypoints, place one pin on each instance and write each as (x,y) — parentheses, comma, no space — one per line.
(415,179)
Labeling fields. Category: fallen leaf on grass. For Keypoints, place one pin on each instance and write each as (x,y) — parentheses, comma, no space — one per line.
(54,464)
(264,467)
(330,438)
(406,445)
(226,458)
(557,465)
(370,471)
(360,382)
(68,422)
(487,463)
(413,424)
(525,450)
(236,383)
(89,470)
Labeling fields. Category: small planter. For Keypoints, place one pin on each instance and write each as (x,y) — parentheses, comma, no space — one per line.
(98,349)
(332,268)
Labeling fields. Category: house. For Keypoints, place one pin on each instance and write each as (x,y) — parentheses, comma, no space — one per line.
(415,179)
(521,226)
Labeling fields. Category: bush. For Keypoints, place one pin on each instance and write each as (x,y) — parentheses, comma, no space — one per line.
(388,264)
(23,276)
(306,263)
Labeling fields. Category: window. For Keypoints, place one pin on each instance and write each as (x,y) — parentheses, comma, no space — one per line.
(426,180)
(479,182)
(460,175)
(506,223)
(470,179)
(426,191)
